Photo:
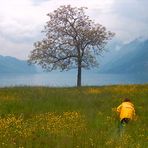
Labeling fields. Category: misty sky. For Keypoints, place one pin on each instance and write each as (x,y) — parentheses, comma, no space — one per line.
(21,21)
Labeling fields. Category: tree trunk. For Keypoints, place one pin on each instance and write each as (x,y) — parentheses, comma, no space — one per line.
(79,74)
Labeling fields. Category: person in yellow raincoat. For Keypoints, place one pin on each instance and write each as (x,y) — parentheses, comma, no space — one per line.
(126,111)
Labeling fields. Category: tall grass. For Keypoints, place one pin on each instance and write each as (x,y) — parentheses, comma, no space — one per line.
(71,117)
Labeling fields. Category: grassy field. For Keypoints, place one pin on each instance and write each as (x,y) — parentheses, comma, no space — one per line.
(71,117)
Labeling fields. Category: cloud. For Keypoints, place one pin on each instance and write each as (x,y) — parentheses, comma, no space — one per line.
(21,24)
(133,9)
(23,20)
(38,2)
(20,18)
(130,18)
(19,50)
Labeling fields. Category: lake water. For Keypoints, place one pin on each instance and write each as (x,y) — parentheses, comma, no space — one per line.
(60,79)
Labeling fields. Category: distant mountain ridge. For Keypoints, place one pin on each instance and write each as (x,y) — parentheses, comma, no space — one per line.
(131,58)
(13,65)
(120,58)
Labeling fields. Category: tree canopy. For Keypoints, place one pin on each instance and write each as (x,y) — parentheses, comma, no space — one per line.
(72,40)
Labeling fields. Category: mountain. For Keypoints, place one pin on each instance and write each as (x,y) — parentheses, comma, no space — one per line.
(12,65)
(130,58)
(111,52)
(120,58)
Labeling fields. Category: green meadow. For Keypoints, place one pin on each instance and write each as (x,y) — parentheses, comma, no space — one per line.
(72,117)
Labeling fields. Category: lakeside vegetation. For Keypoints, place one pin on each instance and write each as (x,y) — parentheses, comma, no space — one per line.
(71,117)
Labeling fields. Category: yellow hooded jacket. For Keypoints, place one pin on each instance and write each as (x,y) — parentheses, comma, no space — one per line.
(126,110)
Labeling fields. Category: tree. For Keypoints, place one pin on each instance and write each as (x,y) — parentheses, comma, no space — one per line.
(71,40)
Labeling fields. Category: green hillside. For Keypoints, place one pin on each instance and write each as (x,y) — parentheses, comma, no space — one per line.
(71,117)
